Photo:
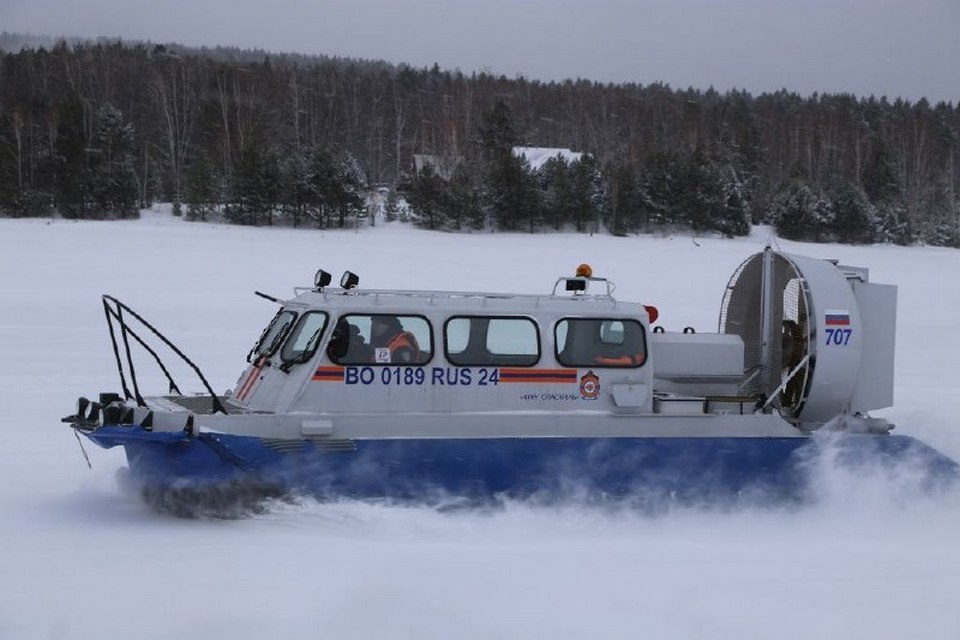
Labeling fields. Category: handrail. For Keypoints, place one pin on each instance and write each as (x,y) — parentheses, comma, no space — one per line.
(126,346)
(586,285)
(125,331)
(418,293)
(116,351)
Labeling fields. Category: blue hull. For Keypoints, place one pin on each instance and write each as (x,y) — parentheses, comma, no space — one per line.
(475,468)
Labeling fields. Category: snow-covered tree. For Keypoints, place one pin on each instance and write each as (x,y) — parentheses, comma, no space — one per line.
(336,186)
(854,218)
(297,191)
(391,206)
(347,187)
(943,234)
(587,195)
(557,192)
(114,188)
(511,193)
(663,184)
(893,223)
(801,214)
(732,218)
(427,197)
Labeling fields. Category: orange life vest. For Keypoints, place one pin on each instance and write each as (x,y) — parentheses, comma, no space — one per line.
(404,340)
(621,361)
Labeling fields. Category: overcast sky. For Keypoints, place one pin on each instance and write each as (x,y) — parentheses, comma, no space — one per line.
(908,48)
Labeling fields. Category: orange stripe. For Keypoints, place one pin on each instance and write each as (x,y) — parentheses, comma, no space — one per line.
(328,374)
(243,383)
(248,383)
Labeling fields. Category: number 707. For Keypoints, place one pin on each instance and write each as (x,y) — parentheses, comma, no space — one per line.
(839,336)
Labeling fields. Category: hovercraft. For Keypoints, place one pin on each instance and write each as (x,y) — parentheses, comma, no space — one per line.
(358,393)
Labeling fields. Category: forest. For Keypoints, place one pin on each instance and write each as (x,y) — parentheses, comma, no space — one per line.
(102,129)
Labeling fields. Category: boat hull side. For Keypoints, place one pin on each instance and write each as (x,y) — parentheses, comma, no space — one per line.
(470,468)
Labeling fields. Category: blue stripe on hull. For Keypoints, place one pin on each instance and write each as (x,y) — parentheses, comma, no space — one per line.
(518,467)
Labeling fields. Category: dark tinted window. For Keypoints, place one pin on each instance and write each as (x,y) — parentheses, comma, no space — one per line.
(381,339)
(594,342)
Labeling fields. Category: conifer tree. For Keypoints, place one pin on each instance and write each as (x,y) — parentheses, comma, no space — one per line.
(464,199)
(663,186)
(498,135)
(854,221)
(256,186)
(624,200)
(426,197)
(11,173)
(586,188)
(882,186)
(201,188)
(296,190)
(391,206)
(512,194)
(733,218)
(70,173)
(346,187)
(801,214)
(557,192)
(114,186)
(320,176)
(701,195)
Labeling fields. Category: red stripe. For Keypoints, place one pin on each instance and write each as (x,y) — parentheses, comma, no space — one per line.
(327,374)
(538,375)
(243,383)
(248,383)
(552,372)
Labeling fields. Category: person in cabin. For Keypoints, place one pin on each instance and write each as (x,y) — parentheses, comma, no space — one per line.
(347,345)
(391,343)
(339,340)
(625,350)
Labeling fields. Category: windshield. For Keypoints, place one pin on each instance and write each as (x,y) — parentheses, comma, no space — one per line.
(272,337)
(305,337)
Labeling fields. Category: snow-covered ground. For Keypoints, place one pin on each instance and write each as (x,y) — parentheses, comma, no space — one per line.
(81,558)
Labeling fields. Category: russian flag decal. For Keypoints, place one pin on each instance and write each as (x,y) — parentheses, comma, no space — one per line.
(836,318)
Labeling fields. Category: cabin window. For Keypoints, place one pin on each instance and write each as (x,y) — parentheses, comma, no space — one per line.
(597,342)
(478,341)
(305,337)
(381,339)
(273,336)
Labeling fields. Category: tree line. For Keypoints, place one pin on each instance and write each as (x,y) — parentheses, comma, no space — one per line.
(101,129)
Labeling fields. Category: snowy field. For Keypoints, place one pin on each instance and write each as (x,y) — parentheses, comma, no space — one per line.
(81,558)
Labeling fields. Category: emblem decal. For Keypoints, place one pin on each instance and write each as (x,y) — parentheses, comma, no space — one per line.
(590,385)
